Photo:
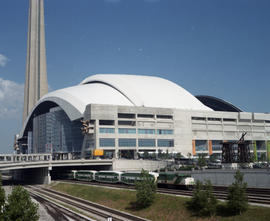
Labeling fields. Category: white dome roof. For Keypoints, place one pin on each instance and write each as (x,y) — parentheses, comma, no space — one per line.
(148,91)
(121,89)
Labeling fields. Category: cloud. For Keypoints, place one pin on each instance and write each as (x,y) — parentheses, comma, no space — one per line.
(11,99)
(3,60)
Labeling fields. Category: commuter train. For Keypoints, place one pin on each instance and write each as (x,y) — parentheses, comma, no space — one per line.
(165,179)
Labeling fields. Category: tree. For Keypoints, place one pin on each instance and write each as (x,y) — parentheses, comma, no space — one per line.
(146,190)
(263,157)
(203,201)
(202,160)
(178,155)
(19,206)
(2,200)
(213,158)
(237,198)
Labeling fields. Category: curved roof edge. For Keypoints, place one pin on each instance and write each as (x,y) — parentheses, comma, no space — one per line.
(218,104)
(65,102)
(102,78)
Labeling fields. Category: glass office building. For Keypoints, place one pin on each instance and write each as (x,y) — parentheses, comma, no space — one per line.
(53,132)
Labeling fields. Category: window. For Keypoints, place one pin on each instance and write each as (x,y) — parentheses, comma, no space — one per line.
(213,119)
(106,142)
(147,143)
(121,115)
(217,145)
(106,122)
(201,145)
(165,143)
(198,118)
(165,116)
(244,121)
(261,145)
(106,130)
(146,131)
(146,115)
(127,123)
(161,131)
(126,142)
(229,120)
(126,131)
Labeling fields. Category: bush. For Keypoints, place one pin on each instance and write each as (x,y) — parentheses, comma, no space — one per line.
(237,198)
(2,200)
(202,160)
(19,206)
(203,202)
(146,190)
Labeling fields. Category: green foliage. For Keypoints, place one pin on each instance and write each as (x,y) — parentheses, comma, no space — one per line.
(237,198)
(179,155)
(202,160)
(263,157)
(2,200)
(203,201)
(146,190)
(19,206)
(253,158)
(213,158)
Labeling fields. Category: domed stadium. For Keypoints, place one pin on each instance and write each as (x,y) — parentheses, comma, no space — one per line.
(131,114)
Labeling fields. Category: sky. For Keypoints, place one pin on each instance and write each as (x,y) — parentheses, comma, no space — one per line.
(209,47)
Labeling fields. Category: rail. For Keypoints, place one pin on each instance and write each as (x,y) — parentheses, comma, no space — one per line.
(87,206)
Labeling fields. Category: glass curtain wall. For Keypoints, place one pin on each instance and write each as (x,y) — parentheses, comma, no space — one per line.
(54,132)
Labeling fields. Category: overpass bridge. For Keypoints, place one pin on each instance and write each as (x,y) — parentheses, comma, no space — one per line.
(37,167)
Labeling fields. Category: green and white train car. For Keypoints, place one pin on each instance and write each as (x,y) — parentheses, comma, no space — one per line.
(70,175)
(108,176)
(175,179)
(131,177)
(85,175)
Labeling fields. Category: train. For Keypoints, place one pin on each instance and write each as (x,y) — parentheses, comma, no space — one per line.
(163,179)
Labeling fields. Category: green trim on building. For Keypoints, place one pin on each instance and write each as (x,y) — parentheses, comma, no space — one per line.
(255,151)
(268,150)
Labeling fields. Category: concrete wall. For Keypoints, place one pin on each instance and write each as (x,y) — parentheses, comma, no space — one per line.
(254,178)
(150,165)
(187,125)
(32,176)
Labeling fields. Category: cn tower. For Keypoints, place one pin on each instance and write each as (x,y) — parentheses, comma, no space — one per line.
(36,72)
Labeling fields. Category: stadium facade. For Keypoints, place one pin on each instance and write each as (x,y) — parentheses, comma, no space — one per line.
(128,115)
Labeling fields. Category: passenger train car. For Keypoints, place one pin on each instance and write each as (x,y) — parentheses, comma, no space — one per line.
(167,179)
(108,176)
(85,175)
(132,177)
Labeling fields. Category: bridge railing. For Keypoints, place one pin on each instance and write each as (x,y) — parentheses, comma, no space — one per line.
(16,158)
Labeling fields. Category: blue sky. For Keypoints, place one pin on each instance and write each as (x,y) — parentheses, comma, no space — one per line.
(210,47)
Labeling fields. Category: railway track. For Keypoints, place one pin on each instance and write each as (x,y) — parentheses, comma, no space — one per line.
(260,196)
(58,212)
(94,209)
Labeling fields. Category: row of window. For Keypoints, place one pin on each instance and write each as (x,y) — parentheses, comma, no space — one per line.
(228,120)
(133,131)
(131,142)
(129,115)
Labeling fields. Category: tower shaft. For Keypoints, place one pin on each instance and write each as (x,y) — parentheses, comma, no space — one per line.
(36,72)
